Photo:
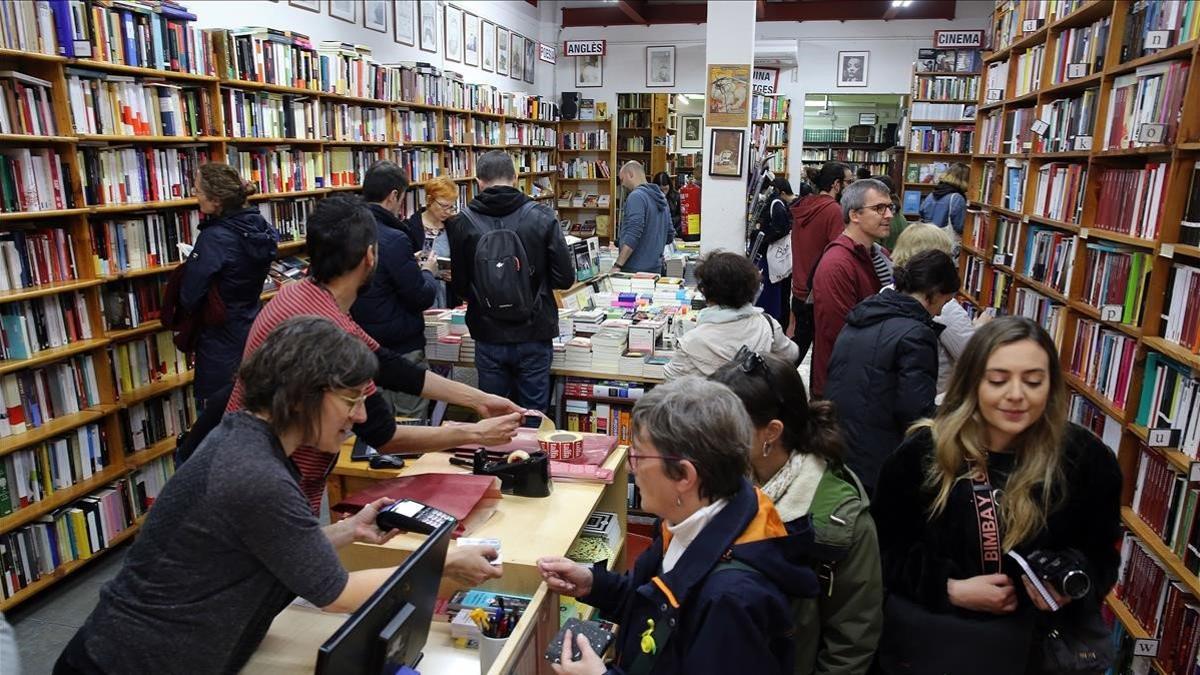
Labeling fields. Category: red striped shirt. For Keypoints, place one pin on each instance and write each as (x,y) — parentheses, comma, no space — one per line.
(302,298)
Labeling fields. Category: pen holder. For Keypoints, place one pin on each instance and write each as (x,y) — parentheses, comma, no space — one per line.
(489,649)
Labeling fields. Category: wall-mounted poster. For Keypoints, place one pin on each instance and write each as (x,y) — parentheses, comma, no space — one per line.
(404,22)
(516,57)
(310,5)
(728,95)
(487,60)
(530,59)
(502,44)
(375,15)
(589,71)
(470,39)
(725,158)
(344,10)
(454,33)
(852,69)
(429,32)
(660,66)
(693,130)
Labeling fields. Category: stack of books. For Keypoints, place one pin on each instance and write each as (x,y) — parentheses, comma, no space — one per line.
(578,353)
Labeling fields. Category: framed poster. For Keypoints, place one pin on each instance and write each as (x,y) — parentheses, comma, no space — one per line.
(404,22)
(375,15)
(470,39)
(309,5)
(589,71)
(487,60)
(516,57)
(344,10)
(454,33)
(502,38)
(429,32)
(725,157)
(852,69)
(728,95)
(660,66)
(530,59)
(691,135)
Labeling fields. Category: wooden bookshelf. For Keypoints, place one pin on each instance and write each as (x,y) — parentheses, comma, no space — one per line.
(605,217)
(767,114)
(1163,250)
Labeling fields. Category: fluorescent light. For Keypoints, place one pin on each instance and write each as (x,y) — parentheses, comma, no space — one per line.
(901,3)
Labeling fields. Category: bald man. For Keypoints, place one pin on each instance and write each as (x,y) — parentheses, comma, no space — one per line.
(645,225)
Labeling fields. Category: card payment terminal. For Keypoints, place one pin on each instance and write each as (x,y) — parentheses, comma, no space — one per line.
(411,516)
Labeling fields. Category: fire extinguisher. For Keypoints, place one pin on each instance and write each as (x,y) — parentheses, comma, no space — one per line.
(689,211)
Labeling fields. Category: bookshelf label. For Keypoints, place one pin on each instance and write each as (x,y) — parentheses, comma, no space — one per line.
(1167,250)
(1083,142)
(1157,39)
(1145,647)
(998,259)
(1029,25)
(1111,312)
(1040,127)
(1151,133)
(1075,70)
(1083,233)
(995,94)
(1161,438)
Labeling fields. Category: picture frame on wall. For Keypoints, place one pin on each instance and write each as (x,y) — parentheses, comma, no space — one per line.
(428,23)
(470,39)
(375,15)
(487,38)
(307,5)
(589,71)
(530,59)
(691,133)
(660,66)
(344,10)
(404,22)
(502,44)
(726,151)
(454,33)
(727,100)
(516,57)
(852,69)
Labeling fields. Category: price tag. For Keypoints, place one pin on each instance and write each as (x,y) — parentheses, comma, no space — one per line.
(1167,250)
(1145,647)
(1025,219)
(1083,142)
(1157,39)
(1083,233)
(1031,25)
(1075,70)
(1151,133)
(998,259)
(1194,472)
(1040,127)
(1161,438)
(994,94)
(1111,313)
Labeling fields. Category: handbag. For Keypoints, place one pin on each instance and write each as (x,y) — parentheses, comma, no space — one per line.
(1077,642)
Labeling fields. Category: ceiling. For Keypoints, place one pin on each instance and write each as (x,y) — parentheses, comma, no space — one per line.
(653,12)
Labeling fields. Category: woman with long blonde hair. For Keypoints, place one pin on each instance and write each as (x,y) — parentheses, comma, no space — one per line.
(997,471)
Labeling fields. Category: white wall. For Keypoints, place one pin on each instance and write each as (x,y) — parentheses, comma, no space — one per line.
(535,23)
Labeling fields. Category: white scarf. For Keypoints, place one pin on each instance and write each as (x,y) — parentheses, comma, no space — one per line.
(686,531)
(793,487)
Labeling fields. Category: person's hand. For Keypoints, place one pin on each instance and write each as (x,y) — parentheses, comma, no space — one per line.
(982,319)
(430,264)
(363,523)
(1037,599)
(444,275)
(992,593)
(470,565)
(490,405)
(497,430)
(565,576)
(588,663)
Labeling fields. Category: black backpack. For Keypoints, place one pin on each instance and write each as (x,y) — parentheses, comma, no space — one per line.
(503,279)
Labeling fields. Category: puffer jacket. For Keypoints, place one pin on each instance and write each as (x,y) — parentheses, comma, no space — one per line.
(390,307)
(718,335)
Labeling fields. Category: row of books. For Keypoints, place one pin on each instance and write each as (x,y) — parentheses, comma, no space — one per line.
(1079,52)
(522,133)
(129,303)
(1131,200)
(1152,25)
(1071,121)
(942,111)
(1050,257)
(1117,277)
(1005,241)
(105,103)
(973,273)
(770,107)
(583,168)
(772,133)
(28,27)
(459,163)
(1161,604)
(48,322)
(997,81)
(941,139)
(145,360)
(143,241)
(34,179)
(1060,191)
(1144,106)
(487,132)
(158,419)
(1171,400)
(580,199)
(948,61)
(945,87)
(1006,24)
(1160,494)
(36,396)
(924,172)
(455,131)
(34,473)
(987,182)
(1018,130)
(997,293)
(633,119)
(33,257)
(420,164)
(1082,411)
(1048,314)
(156,35)
(135,175)
(1103,359)
(598,418)
(419,126)
(991,133)
(258,114)
(1181,312)
(1189,227)
(1012,195)
(25,105)
(1028,76)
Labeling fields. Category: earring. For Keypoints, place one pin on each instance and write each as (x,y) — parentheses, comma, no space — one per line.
(766,449)
(678,500)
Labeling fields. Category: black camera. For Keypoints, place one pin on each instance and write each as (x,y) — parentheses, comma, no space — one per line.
(1063,569)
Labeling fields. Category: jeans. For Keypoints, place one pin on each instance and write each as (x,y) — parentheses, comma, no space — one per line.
(519,372)
(805,328)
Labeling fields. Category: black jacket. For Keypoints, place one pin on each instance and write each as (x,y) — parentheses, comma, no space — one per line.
(234,251)
(547,252)
(389,308)
(414,227)
(882,377)
(675,206)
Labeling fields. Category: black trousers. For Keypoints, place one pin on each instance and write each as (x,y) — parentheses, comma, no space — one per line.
(802,314)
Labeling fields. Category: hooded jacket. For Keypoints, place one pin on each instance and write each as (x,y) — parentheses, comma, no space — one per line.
(816,221)
(882,377)
(718,335)
(844,277)
(233,251)
(390,307)
(547,253)
(645,227)
(945,207)
(731,620)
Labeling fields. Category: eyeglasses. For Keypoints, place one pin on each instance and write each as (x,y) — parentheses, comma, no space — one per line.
(635,459)
(882,208)
(451,207)
(352,402)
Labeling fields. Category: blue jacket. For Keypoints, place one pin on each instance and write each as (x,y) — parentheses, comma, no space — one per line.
(234,251)
(732,620)
(390,307)
(645,226)
(944,209)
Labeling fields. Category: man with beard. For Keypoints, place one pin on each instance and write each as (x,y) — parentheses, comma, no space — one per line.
(816,221)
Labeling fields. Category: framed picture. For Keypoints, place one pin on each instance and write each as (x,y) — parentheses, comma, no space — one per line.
(728,95)
(589,71)
(375,15)
(530,59)
(725,153)
(487,60)
(852,69)
(429,32)
(454,33)
(660,66)
(691,136)
(470,39)
(310,5)
(516,57)
(502,37)
(404,22)
(673,121)
(344,10)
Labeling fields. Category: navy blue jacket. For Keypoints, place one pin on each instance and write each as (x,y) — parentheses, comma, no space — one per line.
(234,251)
(390,307)
(729,621)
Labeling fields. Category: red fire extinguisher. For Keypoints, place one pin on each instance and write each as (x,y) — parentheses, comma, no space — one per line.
(689,211)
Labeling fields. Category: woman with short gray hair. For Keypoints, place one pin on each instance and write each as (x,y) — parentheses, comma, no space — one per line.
(712,593)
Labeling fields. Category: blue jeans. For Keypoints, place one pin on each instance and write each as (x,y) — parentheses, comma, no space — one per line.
(519,372)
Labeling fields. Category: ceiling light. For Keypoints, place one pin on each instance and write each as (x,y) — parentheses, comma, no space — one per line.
(901,3)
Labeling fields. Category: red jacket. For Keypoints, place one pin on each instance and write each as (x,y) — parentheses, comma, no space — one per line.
(816,221)
(843,279)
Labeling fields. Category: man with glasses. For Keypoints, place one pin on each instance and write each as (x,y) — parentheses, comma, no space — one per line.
(854,266)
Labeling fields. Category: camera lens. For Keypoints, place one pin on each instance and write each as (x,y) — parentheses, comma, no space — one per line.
(1075,584)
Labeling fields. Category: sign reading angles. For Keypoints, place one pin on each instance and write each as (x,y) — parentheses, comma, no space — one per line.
(584,48)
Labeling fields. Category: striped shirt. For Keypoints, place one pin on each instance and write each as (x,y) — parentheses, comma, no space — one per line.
(882,264)
(302,298)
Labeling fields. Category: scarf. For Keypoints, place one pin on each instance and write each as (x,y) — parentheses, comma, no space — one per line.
(943,188)
(793,487)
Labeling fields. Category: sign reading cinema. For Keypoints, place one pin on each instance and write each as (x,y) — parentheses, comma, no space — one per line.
(961,39)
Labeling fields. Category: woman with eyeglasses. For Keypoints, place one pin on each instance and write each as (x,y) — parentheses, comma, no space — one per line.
(998,470)
(883,370)
(441,204)
(712,592)
(796,459)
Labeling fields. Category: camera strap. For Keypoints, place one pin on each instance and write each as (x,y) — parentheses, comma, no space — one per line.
(988,520)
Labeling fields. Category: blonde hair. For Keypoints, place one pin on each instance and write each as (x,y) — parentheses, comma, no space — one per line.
(1036,485)
(920,237)
(441,188)
(957,174)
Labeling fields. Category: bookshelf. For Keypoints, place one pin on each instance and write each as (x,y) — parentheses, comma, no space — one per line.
(1054,233)
(587,166)
(771,121)
(641,125)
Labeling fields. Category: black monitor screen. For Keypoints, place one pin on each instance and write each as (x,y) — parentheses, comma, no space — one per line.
(391,627)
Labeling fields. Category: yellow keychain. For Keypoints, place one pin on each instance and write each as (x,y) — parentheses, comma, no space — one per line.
(648,646)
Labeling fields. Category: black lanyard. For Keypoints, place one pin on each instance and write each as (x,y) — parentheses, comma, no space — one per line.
(988,520)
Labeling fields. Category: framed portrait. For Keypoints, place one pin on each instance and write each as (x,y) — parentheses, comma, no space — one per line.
(404,22)
(454,33)
(375,15)
(691,134)
(589,71)
(470,39)
(852,69)
(428,22)
(502,42)
(728,95)
(344,10)
(530,59)
(673,121)
(725,153)
(309,5)
(487,59)
(660,66)
(516,57)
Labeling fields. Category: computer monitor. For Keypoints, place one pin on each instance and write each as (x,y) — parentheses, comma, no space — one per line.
(391,627)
